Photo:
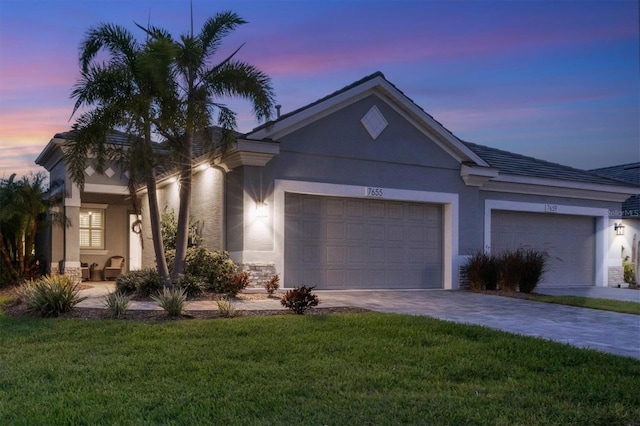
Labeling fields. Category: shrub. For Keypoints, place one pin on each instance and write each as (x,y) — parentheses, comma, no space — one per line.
(50,296)
(509,266)
(235,284)
(482,271)
(117,303)
(299,299)
(273,284)
(534,264)
(192,286)
(521,269)
(226,308)
(212,267)
(629,272)
(173,300)
(142,283)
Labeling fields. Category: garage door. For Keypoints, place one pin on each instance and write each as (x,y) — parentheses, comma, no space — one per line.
(350,243)
(569,241)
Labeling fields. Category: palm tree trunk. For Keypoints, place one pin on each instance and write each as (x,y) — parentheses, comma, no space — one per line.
(156,232)
(182,237)
(7,259)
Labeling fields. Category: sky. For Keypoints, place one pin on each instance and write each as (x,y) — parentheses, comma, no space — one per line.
(559,80)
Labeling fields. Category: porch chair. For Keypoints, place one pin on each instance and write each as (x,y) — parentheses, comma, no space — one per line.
(113,267)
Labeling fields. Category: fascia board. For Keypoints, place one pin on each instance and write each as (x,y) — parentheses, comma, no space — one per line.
(617,189)
(51,154)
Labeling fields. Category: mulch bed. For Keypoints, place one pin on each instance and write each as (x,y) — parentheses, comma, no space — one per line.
(18,309)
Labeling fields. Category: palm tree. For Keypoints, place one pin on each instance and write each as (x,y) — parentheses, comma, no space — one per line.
(122,93)
(24,205)
(199,87)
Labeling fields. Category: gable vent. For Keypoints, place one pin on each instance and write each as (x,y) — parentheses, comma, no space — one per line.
(374,122)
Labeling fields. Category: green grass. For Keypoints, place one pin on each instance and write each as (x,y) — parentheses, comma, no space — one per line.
(590,302)
(333,370)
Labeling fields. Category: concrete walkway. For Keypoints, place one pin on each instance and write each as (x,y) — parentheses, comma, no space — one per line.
(585,328)
(623,294)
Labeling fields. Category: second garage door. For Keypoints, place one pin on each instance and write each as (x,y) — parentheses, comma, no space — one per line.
(569,241)
(351,243)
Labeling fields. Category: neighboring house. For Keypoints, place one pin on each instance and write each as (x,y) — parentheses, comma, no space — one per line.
(360,189)
(626,221)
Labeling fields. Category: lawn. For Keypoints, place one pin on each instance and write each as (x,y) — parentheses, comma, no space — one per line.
(590,302)
(325,369)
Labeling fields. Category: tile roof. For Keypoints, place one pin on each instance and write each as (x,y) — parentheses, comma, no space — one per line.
(629,173)
(510,163)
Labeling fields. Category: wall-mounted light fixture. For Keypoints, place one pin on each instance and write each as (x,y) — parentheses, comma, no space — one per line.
(619,228)
(261,209)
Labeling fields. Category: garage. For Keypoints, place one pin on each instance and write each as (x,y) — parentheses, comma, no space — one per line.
(353,243)
(569,240)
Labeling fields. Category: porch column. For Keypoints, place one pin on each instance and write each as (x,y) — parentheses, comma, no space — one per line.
(72,235)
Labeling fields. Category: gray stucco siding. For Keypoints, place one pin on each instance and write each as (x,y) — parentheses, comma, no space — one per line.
(342,135)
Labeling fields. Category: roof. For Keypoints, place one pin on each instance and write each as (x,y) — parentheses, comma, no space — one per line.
(629,173)
(520,165)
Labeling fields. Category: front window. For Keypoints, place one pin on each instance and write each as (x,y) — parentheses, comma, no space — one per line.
(92,228)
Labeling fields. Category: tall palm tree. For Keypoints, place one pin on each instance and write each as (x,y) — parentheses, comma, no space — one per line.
(122,93)
(199,86)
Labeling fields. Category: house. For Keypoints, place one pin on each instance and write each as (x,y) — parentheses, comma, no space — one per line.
(626,222)
(361,189)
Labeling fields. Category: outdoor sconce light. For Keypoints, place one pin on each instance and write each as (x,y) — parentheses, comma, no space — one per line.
(261,209)
(619,228)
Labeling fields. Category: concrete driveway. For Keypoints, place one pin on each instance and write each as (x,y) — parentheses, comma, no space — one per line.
(585,328)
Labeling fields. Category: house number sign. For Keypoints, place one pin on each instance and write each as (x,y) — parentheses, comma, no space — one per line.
(551,208)
(374,192)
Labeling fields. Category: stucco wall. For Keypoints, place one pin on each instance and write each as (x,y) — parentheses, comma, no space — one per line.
(207,206)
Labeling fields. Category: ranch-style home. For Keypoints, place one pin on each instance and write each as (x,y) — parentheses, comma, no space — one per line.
(361,189)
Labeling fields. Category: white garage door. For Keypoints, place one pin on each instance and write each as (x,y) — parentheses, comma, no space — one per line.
(569,241)
(350,243)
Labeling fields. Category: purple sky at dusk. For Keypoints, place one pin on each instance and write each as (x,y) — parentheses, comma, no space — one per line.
(554,80)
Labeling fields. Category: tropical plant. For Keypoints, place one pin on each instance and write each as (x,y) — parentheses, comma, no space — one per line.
(226,308)
(173,300)
(300,299)
(24,205)
(273,284)
(123,93)
(117,303)
(197,89)
(50,296)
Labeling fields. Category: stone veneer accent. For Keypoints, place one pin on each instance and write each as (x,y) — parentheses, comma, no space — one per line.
(74,273)
(259,273)
(616,276)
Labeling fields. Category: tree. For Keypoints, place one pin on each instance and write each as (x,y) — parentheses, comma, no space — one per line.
(24,205)
(123,93)
(198,87)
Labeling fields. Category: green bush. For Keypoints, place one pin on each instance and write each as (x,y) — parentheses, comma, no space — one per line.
(629,272)
(173,300)
(117,303)
(300,299)
(235,283)
(50,296)
(482,271)
(192,286)
(273,284)
(142,283)
(212,267)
